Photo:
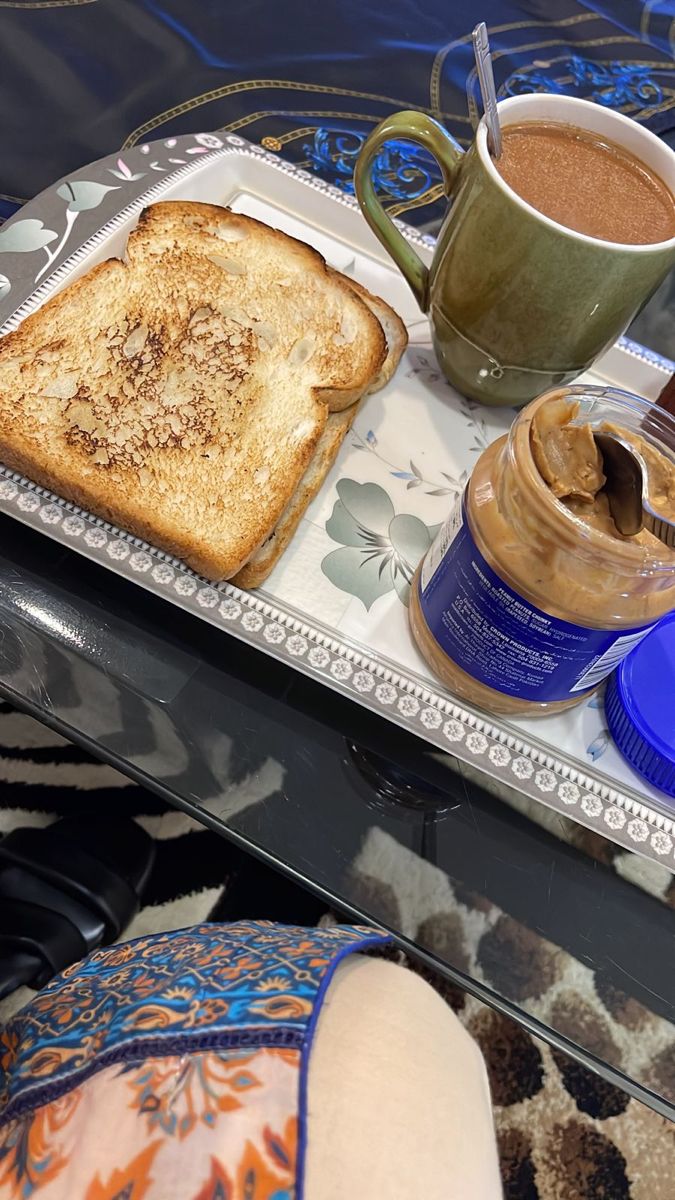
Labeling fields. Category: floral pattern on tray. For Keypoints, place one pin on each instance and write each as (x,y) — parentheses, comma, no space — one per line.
(380,549)
(27,235)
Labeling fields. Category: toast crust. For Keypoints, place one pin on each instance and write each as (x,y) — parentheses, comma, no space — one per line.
(395,334)
(264,560)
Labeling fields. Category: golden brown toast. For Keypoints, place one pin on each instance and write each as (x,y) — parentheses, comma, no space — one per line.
(181,394)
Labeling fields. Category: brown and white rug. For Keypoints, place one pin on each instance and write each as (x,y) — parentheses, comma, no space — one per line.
(564,1134)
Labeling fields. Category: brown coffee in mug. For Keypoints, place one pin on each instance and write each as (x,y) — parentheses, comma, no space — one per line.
(586,183)
(519,298)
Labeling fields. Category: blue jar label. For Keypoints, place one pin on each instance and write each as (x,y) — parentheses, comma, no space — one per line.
(498,637)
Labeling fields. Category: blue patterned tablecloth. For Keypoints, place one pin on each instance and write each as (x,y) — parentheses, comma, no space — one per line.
(82,78)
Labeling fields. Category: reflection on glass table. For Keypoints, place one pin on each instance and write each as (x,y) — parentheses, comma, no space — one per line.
(520,908)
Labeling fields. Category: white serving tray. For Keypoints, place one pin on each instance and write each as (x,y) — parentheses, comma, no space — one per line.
(331,608)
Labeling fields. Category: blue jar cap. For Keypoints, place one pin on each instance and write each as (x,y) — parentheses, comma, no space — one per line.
(640,706)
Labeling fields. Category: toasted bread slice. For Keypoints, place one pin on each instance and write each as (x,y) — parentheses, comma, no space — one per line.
(181,395)
(280,281)
(260,564)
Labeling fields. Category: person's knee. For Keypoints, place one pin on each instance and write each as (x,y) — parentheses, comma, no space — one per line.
(398,1096)
(387,996)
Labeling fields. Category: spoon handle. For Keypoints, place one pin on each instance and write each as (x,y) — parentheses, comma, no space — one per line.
(481,49)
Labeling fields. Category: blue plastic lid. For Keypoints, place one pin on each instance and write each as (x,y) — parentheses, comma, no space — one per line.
(640,706)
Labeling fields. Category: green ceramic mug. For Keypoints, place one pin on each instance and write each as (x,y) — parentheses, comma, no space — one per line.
(518,303)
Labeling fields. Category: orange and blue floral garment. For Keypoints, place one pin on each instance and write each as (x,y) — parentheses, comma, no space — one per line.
(173,1066)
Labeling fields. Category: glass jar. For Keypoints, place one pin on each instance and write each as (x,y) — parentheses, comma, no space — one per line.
(525,603)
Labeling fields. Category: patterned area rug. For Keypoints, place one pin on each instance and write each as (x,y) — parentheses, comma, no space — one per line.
(563,1133)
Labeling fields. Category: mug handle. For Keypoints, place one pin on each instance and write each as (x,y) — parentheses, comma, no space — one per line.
(415,127)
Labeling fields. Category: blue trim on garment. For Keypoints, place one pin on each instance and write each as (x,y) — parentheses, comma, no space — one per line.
(138,1050)
(209,986)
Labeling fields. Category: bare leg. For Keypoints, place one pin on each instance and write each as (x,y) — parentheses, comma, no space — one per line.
(398,1099)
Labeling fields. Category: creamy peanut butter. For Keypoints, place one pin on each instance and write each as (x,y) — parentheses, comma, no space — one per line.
(566,455)
(539,565)
(569,461)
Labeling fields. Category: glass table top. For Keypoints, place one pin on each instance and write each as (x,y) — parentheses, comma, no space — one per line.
(535,915)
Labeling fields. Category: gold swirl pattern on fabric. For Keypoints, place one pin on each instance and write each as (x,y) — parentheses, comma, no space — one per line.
(283,139)
(250,85)
(429,197)
(265,113)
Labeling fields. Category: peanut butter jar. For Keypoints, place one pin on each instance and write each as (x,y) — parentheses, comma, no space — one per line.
(530,596)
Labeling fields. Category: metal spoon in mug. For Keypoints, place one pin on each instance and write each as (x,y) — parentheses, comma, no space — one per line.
(626,490)
(481,49)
